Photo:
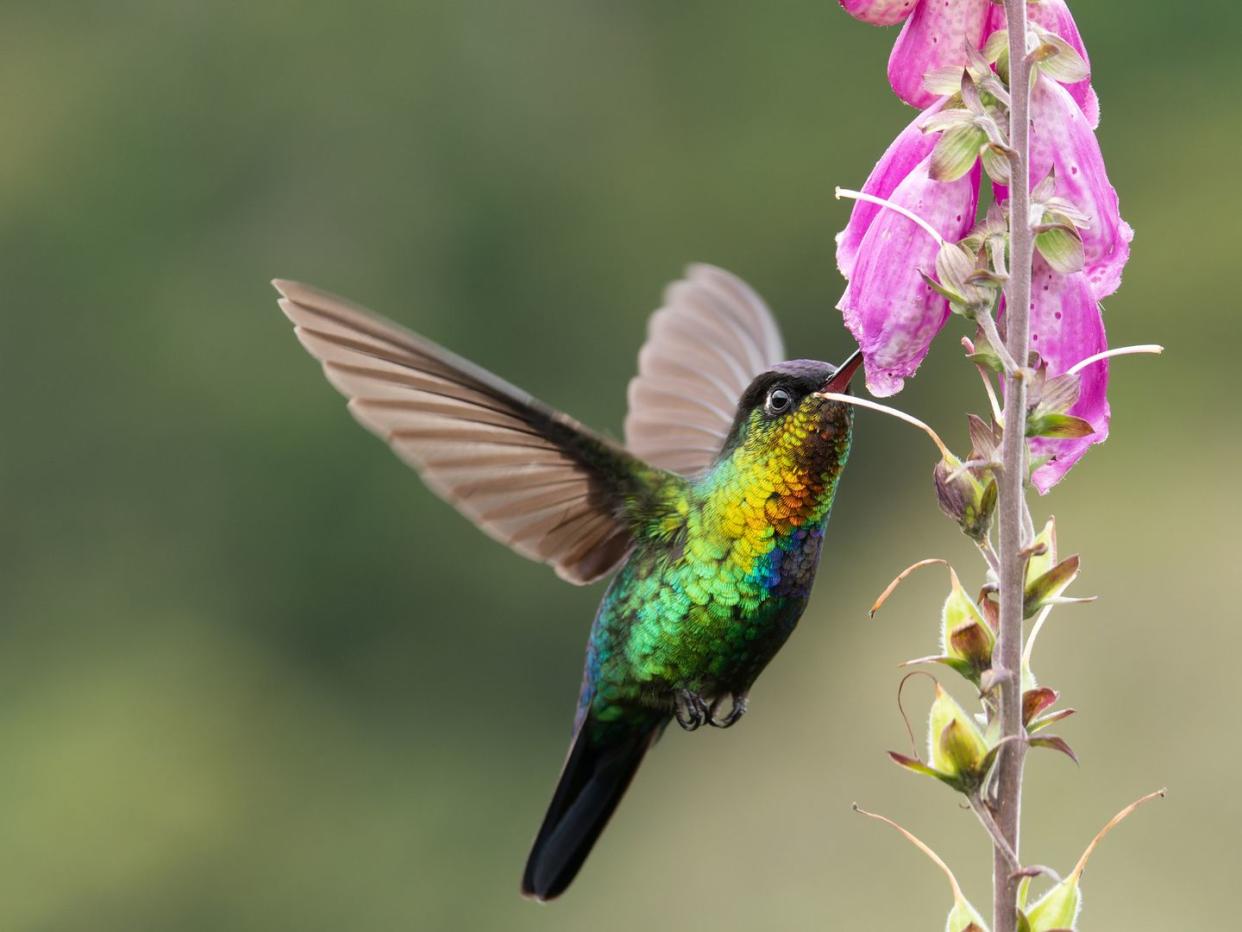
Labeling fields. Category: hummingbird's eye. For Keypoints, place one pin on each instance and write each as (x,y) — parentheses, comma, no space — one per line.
(779,401)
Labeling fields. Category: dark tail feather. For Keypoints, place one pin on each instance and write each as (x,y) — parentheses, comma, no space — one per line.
(592,783)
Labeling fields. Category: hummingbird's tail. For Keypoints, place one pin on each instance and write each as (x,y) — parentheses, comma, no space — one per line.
(595,777)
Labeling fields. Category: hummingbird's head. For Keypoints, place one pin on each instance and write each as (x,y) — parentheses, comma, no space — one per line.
(784,421)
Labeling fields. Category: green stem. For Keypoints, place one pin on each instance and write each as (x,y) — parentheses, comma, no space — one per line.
(1006,807)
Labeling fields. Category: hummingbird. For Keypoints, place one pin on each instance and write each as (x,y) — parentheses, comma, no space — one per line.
(711,514)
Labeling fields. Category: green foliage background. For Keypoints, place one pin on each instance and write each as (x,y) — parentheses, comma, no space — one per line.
(254,677)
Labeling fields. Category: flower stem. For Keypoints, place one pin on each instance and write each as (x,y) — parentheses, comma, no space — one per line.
(988,326)
(999,841)
(1012,508)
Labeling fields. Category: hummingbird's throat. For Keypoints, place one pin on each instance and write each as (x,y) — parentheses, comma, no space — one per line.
(786,477)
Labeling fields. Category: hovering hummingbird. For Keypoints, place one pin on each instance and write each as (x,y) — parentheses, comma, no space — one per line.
(714,510)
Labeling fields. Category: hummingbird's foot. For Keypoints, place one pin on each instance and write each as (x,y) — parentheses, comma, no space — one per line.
(690,710)
(736,711)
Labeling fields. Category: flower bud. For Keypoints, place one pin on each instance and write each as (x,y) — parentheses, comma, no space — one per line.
(956,746)
(964,918)
(1056,909)
(966,637)
(965,497)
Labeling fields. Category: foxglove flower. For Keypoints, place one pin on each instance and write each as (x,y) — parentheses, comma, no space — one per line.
(1066,328)
(1055,17)
(937,34)
(902,156)
(888,307)
(1064,145)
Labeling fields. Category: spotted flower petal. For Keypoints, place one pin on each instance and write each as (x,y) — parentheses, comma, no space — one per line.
(935,36)
(879,12)
(1066,327)
(1055,16)
(1063,142)
(902,156)
(887,306)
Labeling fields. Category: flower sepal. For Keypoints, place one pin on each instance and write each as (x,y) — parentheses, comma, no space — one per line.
(1056,58)
(967,495)
(959,755)
(963,917)
(1058,909)
(1035,705)
(966,638)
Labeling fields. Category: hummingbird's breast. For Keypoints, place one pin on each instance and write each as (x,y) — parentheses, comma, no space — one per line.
(708,610)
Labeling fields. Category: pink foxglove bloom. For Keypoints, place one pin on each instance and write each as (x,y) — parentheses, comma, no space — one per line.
(903,155)
(1066,328)
(1055,16)
(935,36)
(1062,142)
(879,12)
(937,33)
(887,306)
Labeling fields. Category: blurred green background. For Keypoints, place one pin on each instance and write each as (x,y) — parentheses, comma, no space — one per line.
(253,676)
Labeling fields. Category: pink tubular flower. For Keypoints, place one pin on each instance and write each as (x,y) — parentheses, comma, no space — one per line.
(935,36)
(1062,142)
(879,12)
(938,32)
(1054,16)
(888,249)
(887,306)
(902,156)
(1066,328)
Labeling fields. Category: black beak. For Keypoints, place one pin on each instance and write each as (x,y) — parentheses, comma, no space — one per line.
(839,381)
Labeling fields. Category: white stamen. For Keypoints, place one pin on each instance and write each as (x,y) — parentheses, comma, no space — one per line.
(1153,348)
(881,202)
(885,409)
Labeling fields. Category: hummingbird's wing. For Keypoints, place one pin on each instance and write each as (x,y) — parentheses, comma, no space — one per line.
(529,476)
(704,346)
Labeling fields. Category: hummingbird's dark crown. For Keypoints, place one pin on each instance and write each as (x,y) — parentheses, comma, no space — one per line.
(798,376)
(759,423)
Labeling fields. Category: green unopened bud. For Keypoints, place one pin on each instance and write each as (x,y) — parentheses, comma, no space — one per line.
(964,918)
(967,498)
(965,636)
(956,746)
(1056,909)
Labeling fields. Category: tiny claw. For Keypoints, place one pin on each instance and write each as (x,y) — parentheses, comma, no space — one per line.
(690,710)
(736,711)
